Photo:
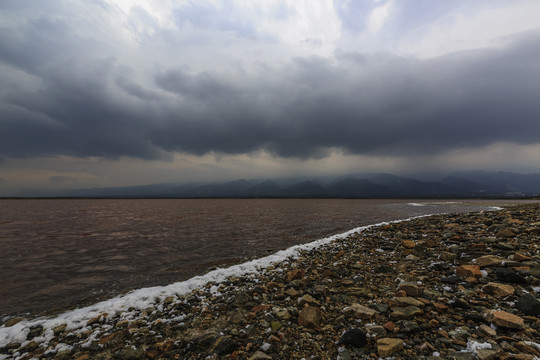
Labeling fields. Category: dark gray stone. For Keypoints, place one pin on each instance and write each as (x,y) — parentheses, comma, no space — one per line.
(529,305)
(509,276)
(354,337)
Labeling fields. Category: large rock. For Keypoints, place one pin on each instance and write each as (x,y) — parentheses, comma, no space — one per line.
(529,305)
(354,337)
(388,346)
(467,271)
(408,301)
(295,274)
(509,276)
(408,244)
(359,311)
(224,345)
(489,260)
(505,234)
(259,355)
(406,312)
(504,319)
(310,317)
(521,257)
(410,289)
(498,290)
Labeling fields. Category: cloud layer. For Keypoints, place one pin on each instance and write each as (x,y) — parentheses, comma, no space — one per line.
(293,79)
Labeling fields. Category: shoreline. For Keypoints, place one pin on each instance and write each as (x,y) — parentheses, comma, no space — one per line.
(207,318)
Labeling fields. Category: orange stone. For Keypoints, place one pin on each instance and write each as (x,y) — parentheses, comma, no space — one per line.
(466,271)
(498,290)
(489,260)
(505,319)
(261,308)
(521,257)
(295,274)
(408,244)
(390,326)
(310,317)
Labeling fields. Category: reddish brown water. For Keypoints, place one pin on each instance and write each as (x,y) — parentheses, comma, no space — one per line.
(63,253)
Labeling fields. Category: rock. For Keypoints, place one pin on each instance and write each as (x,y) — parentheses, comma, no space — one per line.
(498,290)
(390,326)
(375,329)
(34,331)
(407,327)
(486,330)
(95,320)
(275,325)
(164,346)
(505,234)
(241,297)
(509,276)
(259,355)
(504,319)
(521,257)
(13,321)
(294,275)
(447,256)
(529,305)
(384,269)
(460,333)
(359,311)
(237,317)
(59,329)
(129,354)
(224,345)
(381,308)
(408,244)
(405,312)
(203,339)
(292,292)
(410,289)
(528,347)
(353,337)
(466,271)
(113,338)
(388,346)
(489,260)
(409,301)
(487,354)
(31,346)
(283,314)
(310,317)
(452,279)
(307,299)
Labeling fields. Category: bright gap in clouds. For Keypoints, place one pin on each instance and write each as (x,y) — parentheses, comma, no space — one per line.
(378,16)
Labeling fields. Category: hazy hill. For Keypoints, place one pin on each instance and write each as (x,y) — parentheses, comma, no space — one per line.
(458,184)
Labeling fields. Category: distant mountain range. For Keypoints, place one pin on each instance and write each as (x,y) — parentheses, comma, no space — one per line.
(459,184)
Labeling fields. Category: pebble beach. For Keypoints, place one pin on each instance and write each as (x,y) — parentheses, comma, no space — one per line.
(454,286)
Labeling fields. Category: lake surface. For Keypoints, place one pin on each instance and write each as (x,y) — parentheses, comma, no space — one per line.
(58,254)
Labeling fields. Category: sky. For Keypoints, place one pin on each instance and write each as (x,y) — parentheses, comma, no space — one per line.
(119,93)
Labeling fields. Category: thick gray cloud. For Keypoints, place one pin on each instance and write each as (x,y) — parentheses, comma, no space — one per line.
(87,102)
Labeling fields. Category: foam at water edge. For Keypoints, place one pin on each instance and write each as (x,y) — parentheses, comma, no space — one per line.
(144,298)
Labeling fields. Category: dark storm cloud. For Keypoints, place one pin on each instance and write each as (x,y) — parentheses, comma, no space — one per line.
(363,104)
